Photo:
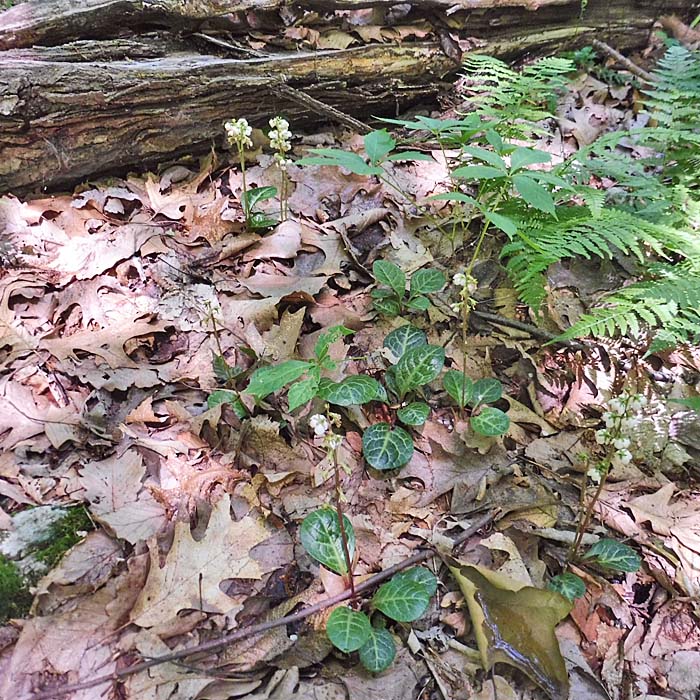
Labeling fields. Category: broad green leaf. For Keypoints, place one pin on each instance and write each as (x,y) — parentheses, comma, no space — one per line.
(427,281)
(458,386)
(505,224)
(347,629)
(418,366)
(486,390)
(415,413)
(230,397)
(534,194)
(614,555)
(259,220)
(321,538)
(302,392)
(522,157)
(389,306)
(402,599)
(252,197)
(419,303)
(391,275)
(340,159)
(569,585)
(478,172)
(487,156)
(354,390)
(490,422)
(422,576)
(515,624)
(386,448)
(378,652)
(494,138)
(267,380)
(410,155)
(378,144)
(327,338)
(404,338)
(454,197)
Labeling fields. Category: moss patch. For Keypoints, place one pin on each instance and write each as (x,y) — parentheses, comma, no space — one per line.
(15,598)
(18,576)
(64,534)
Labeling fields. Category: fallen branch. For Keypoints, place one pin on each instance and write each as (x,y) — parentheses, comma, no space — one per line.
(246,632)
(631,67)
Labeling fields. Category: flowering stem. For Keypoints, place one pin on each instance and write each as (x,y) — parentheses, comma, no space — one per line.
(244,198)
(339,510)
(584,522)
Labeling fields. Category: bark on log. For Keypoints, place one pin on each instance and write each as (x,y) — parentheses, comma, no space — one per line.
(73,110)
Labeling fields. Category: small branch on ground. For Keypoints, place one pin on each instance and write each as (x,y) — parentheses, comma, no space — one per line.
(631,67)
(218,644)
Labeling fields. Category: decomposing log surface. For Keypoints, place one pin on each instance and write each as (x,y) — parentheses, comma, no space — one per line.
(101,85)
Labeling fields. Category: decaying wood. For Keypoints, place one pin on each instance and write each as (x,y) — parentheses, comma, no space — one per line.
(79,98)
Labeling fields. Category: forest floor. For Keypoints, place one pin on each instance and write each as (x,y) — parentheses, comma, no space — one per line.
(116,301)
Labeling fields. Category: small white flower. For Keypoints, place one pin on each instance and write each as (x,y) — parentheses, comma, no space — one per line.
(456,307)
(624,456)
(333,441)
(238,132)
(319,424)
(609,419)
(280,135)
(459,279)
(594,475)
(616,406)
(629,423)
(602,437)
(621,443)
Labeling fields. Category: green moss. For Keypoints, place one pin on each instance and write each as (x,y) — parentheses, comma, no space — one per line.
(15,598)
(64,534)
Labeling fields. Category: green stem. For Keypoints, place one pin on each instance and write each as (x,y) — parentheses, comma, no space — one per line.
(244,198)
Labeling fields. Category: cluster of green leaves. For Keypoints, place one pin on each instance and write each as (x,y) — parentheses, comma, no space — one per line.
(608,554)
(404,598)
(484,419)
(651,213)
(227,375)
(266,380)
(392,299)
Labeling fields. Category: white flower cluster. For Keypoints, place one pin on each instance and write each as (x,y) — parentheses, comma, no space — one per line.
(238,132)
(322,428)
(624,420)
(280,140)
(467,286)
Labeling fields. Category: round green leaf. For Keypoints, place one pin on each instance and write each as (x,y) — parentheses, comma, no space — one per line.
(422,576)
(385,448)
(458,386)
(486,391)
(427,281)
(321,538)
(404,338)
(419,303)
(569,585)
(391,275)
(347,629)
(378,651)
(402,599)
(614,555)
(418,366)
(415,413)
(490,422)
(389,306)
(354,390)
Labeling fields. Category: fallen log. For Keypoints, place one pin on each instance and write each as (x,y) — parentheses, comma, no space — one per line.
(75,106)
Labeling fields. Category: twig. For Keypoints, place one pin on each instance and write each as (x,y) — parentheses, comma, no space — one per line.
(631,67)
(526,328)
(217,644)
(322,108)
(231,47)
